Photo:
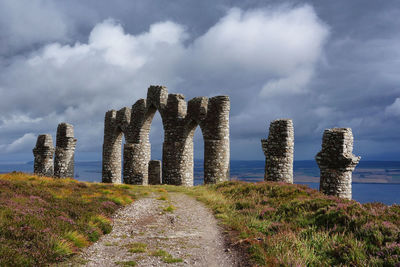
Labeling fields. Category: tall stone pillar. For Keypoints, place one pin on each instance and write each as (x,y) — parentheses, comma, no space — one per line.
(154,172)
(278,150)
(177,160)
(43,153)
(65,151)
(215,130)
(111,171)
(137,150)
(337,162)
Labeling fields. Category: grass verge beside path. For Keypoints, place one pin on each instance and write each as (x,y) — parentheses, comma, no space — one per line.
(45,220)
(293,225)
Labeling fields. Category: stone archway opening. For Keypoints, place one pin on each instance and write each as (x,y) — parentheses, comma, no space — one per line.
(198,155)
(156,137)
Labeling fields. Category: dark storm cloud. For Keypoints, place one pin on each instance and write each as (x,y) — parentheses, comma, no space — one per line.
(324,64)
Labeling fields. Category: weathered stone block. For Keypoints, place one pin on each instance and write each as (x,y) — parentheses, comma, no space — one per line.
(65,151)
(136,160)
(278,150)
(43,153)
(337,162)
(154,172)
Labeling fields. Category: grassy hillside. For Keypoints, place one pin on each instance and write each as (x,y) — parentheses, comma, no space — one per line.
(45,220)
(293,225)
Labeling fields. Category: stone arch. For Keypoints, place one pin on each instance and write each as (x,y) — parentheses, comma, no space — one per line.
(180,120)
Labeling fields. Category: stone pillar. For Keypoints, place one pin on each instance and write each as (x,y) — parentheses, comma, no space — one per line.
(137,150)
(154,172)
(136,159)
(43,153)
(111,171)
(177,168)
(278,150)
(65,151)
(337,162)
(215,128)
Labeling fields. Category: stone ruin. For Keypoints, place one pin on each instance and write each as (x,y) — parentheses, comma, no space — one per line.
(278,150)
(155,172)
(180,120)
(65,150)
(337,162)
(43,153)
(64,153)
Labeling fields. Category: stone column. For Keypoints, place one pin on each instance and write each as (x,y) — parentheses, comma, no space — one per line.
(111,171)
(278,150)
(154,172)
(337,162)
(177,162)
(136,159)
(137,150)
(65,151)
(215,130)
(177,167)
(43,153)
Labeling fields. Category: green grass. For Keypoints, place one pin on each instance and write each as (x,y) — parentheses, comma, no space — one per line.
(137,247)
(45,221)
(165,256)
(293,225)
(170,208)
(79,240)
(162,197)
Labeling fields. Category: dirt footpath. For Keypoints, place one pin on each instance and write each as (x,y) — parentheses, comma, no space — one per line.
(162,230)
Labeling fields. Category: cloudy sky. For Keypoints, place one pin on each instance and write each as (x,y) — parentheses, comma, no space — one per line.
(322,63)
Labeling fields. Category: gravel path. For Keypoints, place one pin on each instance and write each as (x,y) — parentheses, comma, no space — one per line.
(147,233)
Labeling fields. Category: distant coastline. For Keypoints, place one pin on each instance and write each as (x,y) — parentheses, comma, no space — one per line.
(305,171)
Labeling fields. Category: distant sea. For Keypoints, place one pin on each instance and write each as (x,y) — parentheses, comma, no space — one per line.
(373,181)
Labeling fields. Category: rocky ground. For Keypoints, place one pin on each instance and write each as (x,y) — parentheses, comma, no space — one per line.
(162,230)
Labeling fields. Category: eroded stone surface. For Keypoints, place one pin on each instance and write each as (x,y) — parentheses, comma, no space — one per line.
(43,153)
(65,151)
(154,172)
(337,162)
(278,150)
(180,120)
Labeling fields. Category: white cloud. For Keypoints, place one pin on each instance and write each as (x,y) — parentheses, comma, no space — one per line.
(278,47)
(244,55)
(24,143)
(393,109)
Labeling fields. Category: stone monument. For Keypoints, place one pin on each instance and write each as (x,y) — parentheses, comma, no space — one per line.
(180,120)
(337,162)
(43,153)
(278,150)
(65,150)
